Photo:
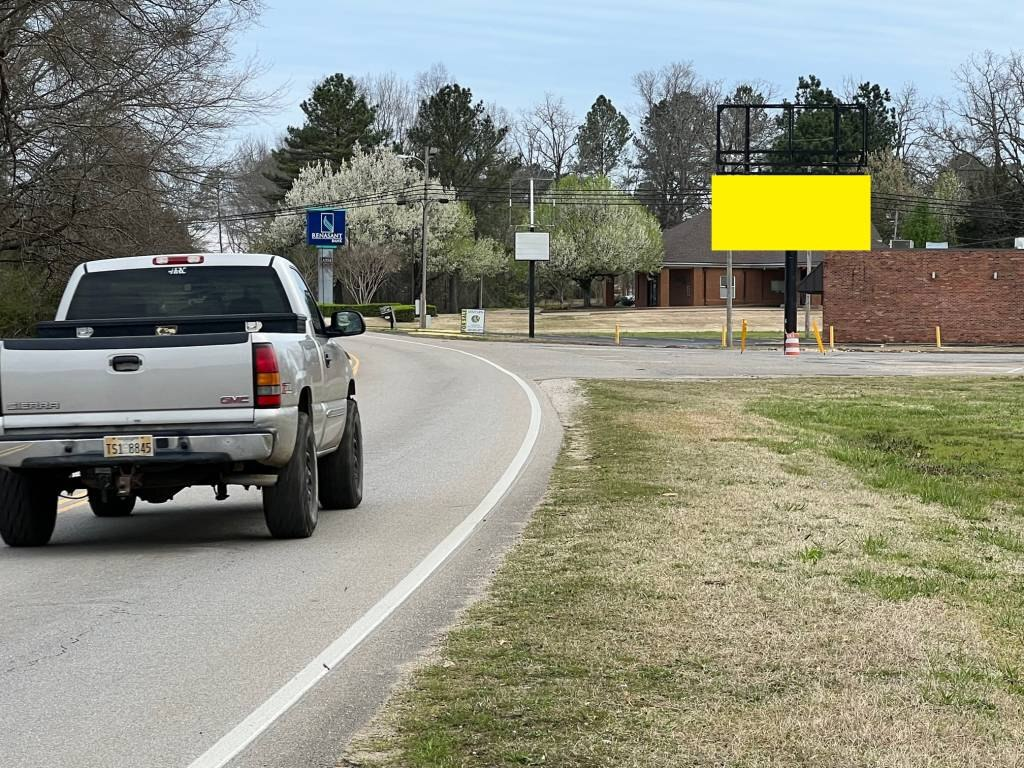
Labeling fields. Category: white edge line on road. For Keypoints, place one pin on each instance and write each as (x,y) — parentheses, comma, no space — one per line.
(243,734)
(1016,370)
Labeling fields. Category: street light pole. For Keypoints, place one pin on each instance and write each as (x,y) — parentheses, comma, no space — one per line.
(423,259)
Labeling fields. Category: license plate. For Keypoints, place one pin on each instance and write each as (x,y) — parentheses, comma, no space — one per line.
(127,447)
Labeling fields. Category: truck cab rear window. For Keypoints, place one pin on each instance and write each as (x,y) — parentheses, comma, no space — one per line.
(191,291)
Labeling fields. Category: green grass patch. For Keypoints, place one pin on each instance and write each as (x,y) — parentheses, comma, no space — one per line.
(961,446)
(705,584)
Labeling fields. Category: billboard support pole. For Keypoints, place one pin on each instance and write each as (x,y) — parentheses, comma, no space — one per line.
(791,302)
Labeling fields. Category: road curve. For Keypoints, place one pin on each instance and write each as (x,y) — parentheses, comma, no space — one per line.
(143,641)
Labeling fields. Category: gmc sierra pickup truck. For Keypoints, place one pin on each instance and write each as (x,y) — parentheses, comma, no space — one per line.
(164,372)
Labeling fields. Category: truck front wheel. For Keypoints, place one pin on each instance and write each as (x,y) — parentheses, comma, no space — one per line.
(341,472)
(28,509)
(109,504)
(291,507)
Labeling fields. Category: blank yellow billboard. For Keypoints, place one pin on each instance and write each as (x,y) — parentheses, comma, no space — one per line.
(790,213)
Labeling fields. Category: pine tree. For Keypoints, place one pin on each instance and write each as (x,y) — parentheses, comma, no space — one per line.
(602,139)
(337,117)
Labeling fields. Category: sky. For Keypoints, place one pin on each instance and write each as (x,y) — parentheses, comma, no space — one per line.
(512,53)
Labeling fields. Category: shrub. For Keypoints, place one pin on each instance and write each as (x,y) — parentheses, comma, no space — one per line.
(25,299)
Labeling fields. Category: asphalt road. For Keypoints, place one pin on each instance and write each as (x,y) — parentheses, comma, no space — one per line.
(555,361)
(144,641)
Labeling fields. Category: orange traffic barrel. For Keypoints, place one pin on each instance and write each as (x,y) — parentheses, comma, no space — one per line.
(792,348)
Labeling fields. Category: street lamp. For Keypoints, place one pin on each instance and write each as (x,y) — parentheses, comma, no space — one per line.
(425,162)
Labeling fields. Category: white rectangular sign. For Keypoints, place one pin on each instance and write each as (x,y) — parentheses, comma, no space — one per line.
(473,320)
(532,246)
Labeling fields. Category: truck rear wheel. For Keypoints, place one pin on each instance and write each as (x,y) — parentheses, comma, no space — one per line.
(109,504)
(28,509)
(341,472)
(291,507)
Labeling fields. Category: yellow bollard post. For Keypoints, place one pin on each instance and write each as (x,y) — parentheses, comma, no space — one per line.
(743,337)
(618,341)
(817,337)
(723,337)
(938,337)
(832,337)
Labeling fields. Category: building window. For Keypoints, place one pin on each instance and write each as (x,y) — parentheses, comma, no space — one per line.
(721,287)
(777,286)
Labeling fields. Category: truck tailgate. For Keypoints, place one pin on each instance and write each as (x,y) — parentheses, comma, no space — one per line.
(128,380)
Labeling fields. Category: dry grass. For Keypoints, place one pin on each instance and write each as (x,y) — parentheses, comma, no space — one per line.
(639,321)
(704,587)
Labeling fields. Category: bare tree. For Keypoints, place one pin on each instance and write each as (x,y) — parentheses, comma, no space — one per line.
(431,81)
(550,131)
(395,102)
(675,144)
(524,142)
(109,115)
(224,200)
(986,120)
(910,139)
(363,269)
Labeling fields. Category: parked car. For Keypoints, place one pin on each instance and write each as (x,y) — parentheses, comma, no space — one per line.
(165,372)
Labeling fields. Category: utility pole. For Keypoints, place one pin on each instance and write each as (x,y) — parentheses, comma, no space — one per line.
(423,258)
(728,299)
(533,268)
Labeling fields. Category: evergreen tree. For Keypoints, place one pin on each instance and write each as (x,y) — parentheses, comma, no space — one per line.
(814,129)
(337,117)
(469,145)
(922,226)
(602,139)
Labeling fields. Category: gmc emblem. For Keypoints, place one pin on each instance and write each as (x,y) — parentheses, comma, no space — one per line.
(234,400)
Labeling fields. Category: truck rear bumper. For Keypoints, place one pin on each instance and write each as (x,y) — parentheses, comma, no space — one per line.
(75,452)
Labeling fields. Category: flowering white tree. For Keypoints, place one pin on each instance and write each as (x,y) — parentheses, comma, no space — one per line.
(599,231)
(380,230)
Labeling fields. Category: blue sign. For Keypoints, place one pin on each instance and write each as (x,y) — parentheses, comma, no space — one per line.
(324,228)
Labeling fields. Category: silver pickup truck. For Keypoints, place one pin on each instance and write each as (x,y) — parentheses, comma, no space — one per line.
(164,372)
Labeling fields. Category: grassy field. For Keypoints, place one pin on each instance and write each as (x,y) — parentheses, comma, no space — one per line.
(812,573)
(675,322)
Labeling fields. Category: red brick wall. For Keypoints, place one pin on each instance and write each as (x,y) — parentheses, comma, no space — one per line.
(891,296)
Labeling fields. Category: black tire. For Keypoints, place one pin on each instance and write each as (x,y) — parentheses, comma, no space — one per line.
(341,472)
(112,506)
(291,507)
(28,509)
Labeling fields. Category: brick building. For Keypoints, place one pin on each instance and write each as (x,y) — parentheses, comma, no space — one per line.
(975,296)
(694,276)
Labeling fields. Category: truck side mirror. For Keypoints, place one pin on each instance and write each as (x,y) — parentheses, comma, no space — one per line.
(347,323)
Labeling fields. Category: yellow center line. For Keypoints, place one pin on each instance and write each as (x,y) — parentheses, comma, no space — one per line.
(75,503)
(355,363)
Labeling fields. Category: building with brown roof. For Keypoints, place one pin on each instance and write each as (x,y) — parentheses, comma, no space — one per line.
(693,275)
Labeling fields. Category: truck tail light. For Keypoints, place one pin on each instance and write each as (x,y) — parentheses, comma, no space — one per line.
(194,258)
(266,375)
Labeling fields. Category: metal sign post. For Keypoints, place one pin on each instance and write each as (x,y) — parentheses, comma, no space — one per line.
(325,275)
(532,247)
(325,229)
